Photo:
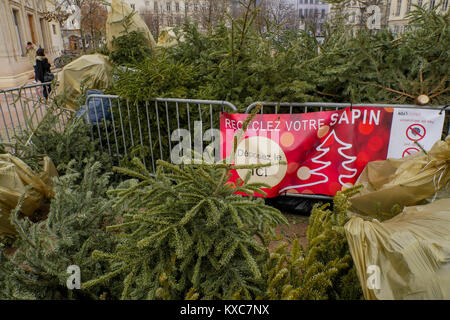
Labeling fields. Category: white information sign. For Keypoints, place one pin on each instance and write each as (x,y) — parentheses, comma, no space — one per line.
(414,127)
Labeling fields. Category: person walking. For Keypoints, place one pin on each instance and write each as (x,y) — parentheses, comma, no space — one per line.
(31,54)
(43,73)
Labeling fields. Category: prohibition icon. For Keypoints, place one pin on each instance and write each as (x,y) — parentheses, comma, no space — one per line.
(416,132)
(409,151)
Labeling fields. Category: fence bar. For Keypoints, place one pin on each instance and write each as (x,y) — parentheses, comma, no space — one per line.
(4,122)
(114,125)
(140,132)
(168,128)
(159,130)
(340,105)
(121,126)
(97,125)
(150,137)
(106,126)
(129,122)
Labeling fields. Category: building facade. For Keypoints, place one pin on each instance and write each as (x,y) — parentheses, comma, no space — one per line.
(71,31)
(167,13)
(314,12)
(22,21)
(359,13)
(393,14)
(400,9)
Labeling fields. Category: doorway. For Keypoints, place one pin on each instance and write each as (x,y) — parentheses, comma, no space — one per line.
(44,34)
(18,31)
(31,24)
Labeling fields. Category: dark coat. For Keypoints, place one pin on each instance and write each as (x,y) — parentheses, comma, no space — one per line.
(42,66)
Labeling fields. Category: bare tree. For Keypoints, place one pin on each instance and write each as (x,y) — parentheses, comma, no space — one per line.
(93,19)
(209,12)
(279,14)
(153,20)
(65,8)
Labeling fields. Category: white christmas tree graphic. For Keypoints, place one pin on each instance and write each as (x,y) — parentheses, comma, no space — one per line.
(324,164)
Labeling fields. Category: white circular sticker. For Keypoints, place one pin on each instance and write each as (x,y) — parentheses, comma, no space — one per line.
(261,150)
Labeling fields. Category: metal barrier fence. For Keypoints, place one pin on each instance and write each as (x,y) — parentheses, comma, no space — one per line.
(145,129)
(22,109)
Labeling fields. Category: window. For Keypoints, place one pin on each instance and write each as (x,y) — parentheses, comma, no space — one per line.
(444,5)
(15,13)
(300,1)
(316,13)
(300,13)
(432,3)
(399,7)
(352,17)
(323,14)
(186,7)
(177,7)
(195,7)
(54,29)
(395,29)
(132,5)
(419,3)
(168,6)
(155,6)
(408,6)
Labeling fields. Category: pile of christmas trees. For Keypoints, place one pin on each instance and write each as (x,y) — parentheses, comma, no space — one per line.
(241,64)
(182,234)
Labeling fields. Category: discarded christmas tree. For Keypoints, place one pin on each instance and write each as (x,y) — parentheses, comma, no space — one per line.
(35,266)
(186,231)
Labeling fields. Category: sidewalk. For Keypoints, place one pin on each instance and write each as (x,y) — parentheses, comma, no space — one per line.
(18,105)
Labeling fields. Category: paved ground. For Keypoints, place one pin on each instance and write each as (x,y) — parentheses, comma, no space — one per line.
(298,224)
(16,106)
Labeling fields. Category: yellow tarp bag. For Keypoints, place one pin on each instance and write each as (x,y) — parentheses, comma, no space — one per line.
(406,257)
(15,176)
(115,23)
(168,38)
(407,181)
(94,70)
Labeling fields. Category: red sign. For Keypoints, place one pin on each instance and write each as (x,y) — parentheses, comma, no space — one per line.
(311,153)
(410,151)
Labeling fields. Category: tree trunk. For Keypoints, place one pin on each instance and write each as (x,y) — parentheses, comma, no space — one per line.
(79,4)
